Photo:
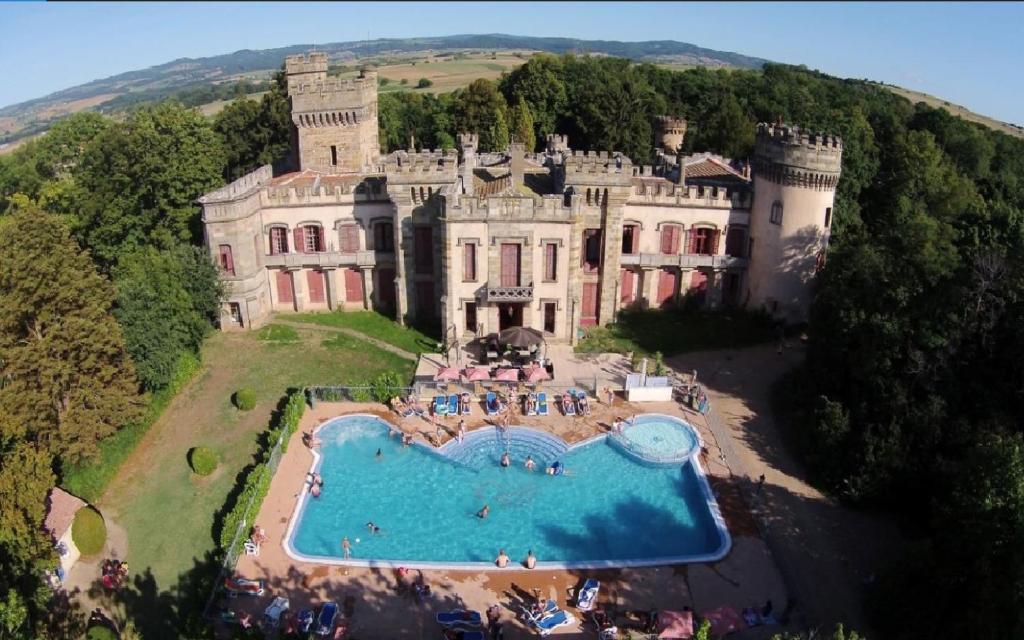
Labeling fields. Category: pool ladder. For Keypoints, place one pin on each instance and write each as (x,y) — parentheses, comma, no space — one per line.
(506,441)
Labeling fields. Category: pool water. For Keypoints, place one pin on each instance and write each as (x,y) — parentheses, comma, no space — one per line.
(663,437)
(611,510)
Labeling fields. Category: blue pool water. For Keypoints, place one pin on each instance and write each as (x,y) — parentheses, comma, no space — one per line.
(611,510)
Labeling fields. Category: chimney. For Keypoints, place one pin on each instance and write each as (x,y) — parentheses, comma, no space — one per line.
(517,154)
(680,160)
(467,144)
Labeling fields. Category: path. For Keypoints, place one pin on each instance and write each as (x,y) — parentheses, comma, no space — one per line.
(352,333)
(824,551)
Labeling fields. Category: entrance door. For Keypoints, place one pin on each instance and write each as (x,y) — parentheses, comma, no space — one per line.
(549,317)
(354,285)
(315,280)
(626,287)
(386,289)
(285,291)
(470,308)
(588,316)
(666,286)
(510,315)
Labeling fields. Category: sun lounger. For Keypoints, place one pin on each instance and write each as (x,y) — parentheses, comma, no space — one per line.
(581,401)
(464,401)
(272,614)
(243,586)
(492,404)
(542,404)
(325,621)
(457,617)
(440,406)
(305,620)
(550,607)
(588,595)
(558,619)
(453,405)
(568,408)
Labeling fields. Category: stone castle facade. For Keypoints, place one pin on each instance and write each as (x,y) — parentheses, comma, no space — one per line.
(477,242)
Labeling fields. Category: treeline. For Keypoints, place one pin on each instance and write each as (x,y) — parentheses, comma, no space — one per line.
(193,96)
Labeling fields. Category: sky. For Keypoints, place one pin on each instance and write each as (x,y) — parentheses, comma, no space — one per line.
(971,54)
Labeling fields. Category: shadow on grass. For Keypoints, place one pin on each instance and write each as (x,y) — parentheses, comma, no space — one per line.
(673,331)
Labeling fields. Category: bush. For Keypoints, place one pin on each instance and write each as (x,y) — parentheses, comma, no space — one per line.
(203,460)
(100,632)
(362,394)
(404,81)
(386,386)
(424,83)
(245,399)
(88,531)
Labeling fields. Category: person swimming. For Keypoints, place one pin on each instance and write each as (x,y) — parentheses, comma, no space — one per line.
(373,528)
(530,464)
(505,459)
(314,490)
(482,513)
(380,454)
(556,469)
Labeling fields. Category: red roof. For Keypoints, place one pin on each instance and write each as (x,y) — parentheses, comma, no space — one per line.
(61,508)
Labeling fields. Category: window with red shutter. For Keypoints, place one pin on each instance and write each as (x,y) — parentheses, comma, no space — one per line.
(670,235)
(510,265)
(300,240)
(469,262)
(313,236)
(349,238)
(315,279)
(551,262)
(226,262)
(278,240)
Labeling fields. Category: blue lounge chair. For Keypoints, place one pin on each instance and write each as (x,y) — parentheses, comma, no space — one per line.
(325,621)
(533,617)
(492,404)
(558,619)
(542,404)
(305,620)
(587,597)
(453,405)
(458,617)
(582,402)
(569,408)
(440,406)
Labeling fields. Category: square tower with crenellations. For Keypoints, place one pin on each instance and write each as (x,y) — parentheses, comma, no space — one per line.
(335,119)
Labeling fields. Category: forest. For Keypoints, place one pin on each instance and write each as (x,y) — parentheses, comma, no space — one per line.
(909,400)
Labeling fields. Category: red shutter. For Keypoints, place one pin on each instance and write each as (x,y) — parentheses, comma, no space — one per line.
(300,240)
(551,261)
(666,286)
(636,239)
(469,262)
(510,265)
(691,240)
(226,261)
(284,287)
(354,285)
(349,238)
(666,240)
(714,242)
(316,286)
(626,287)
(273,244)
(677,233)
(699,282)
(588,317)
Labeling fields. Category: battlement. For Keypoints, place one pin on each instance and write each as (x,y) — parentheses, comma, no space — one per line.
(366,83)
(557,142)
(240,187)
(315,62)
(655,191)
(792,156)
(671,124)
(422,166)
(547,208)
(469,140)
(597,162)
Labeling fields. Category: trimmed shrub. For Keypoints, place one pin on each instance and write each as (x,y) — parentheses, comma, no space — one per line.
(88,531)
(100,632)
(245,399)
(424,83)
(362,394)
(203,460)
(386,386)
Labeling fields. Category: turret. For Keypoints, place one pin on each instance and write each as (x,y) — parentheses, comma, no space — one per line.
(670,133)
(467,146)
(795,178)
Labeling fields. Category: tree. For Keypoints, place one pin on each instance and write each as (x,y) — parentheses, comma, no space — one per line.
(67,380)
(522,124)
(424,83)
(166,302)
(539,82)
(481,109)
(256,133)
(141,181)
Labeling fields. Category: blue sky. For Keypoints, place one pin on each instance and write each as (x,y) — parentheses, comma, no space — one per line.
(968,53)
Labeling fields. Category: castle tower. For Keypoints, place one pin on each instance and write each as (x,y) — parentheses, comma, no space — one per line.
(336,120)
(670,133)
(795,177)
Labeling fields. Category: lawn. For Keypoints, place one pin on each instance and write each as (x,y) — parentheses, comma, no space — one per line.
(166,512)
(374,325)
(672,332)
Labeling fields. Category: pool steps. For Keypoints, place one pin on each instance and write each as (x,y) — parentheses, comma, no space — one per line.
(490,442)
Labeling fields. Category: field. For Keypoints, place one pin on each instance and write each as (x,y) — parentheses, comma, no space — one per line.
(166,513)
(957,110)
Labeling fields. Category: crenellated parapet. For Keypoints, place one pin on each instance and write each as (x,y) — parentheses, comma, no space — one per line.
(548,208)
(437,166)
(793,157)
(671,132)
(597,169)
(239,188)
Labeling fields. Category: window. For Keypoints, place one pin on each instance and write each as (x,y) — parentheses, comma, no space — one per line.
(591,250)
(313,239)
(704,241)
(423,249)
(315,283)
(670,235)
(776,216)
(549,317)
(510,264)
(470,308)
(278,240)
(630,238)
(349,238)
(226,262)
(550,262)
(236,313)
(384,237)
(334,155)
(469,263)
(828,217)
(734,241)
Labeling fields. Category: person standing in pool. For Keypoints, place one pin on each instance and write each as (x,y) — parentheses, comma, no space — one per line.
(502,559)
(531,560)
(505,459)
(482,513)
(380,454)
(530,464)
(346,548)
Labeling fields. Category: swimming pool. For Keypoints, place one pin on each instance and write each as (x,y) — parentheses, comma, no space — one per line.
(613,509)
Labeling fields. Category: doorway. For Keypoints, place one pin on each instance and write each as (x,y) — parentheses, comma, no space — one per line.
(510,315)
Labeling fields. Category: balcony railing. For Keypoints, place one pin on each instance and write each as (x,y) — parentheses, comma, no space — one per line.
(510,294)
(322,259)
(684,261)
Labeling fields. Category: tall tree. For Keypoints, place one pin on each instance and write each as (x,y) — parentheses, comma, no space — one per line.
(539,82)
(67,381)
(256,133)
(481,109)
(522,124)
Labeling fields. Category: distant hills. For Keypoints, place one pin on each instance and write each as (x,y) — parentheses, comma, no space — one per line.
(153,83)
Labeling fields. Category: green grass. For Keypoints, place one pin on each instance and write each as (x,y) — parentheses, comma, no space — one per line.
(166,511)
(278,333)
(88,479)
(374,325)
(672,332)
(88,531)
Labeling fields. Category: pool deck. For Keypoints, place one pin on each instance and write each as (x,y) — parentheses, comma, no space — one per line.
(747,576)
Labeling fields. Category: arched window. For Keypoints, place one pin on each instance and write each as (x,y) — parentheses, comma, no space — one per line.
(776,215)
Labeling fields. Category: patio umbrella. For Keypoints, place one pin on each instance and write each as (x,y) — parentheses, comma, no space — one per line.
(675,624)
(724,620)
(507,375)
(520,337)
(536,374)
(474,374)
(446,373)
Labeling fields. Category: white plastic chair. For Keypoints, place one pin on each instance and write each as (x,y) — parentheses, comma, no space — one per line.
(251,548)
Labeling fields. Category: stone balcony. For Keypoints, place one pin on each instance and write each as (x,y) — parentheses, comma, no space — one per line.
(509,294)
(322,259)
(683,261)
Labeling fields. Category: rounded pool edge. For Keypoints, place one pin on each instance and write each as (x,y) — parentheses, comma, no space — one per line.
(715,512)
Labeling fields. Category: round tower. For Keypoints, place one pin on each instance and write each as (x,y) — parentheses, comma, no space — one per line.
(795,177)
(671,131)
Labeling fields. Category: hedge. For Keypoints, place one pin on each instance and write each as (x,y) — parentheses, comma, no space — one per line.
(88,531)
(257,481)
(203,460)
(245,399)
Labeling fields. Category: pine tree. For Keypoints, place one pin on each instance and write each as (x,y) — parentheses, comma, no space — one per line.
(65,379)
(522,124)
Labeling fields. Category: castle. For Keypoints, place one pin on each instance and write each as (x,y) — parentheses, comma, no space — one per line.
(478,242)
